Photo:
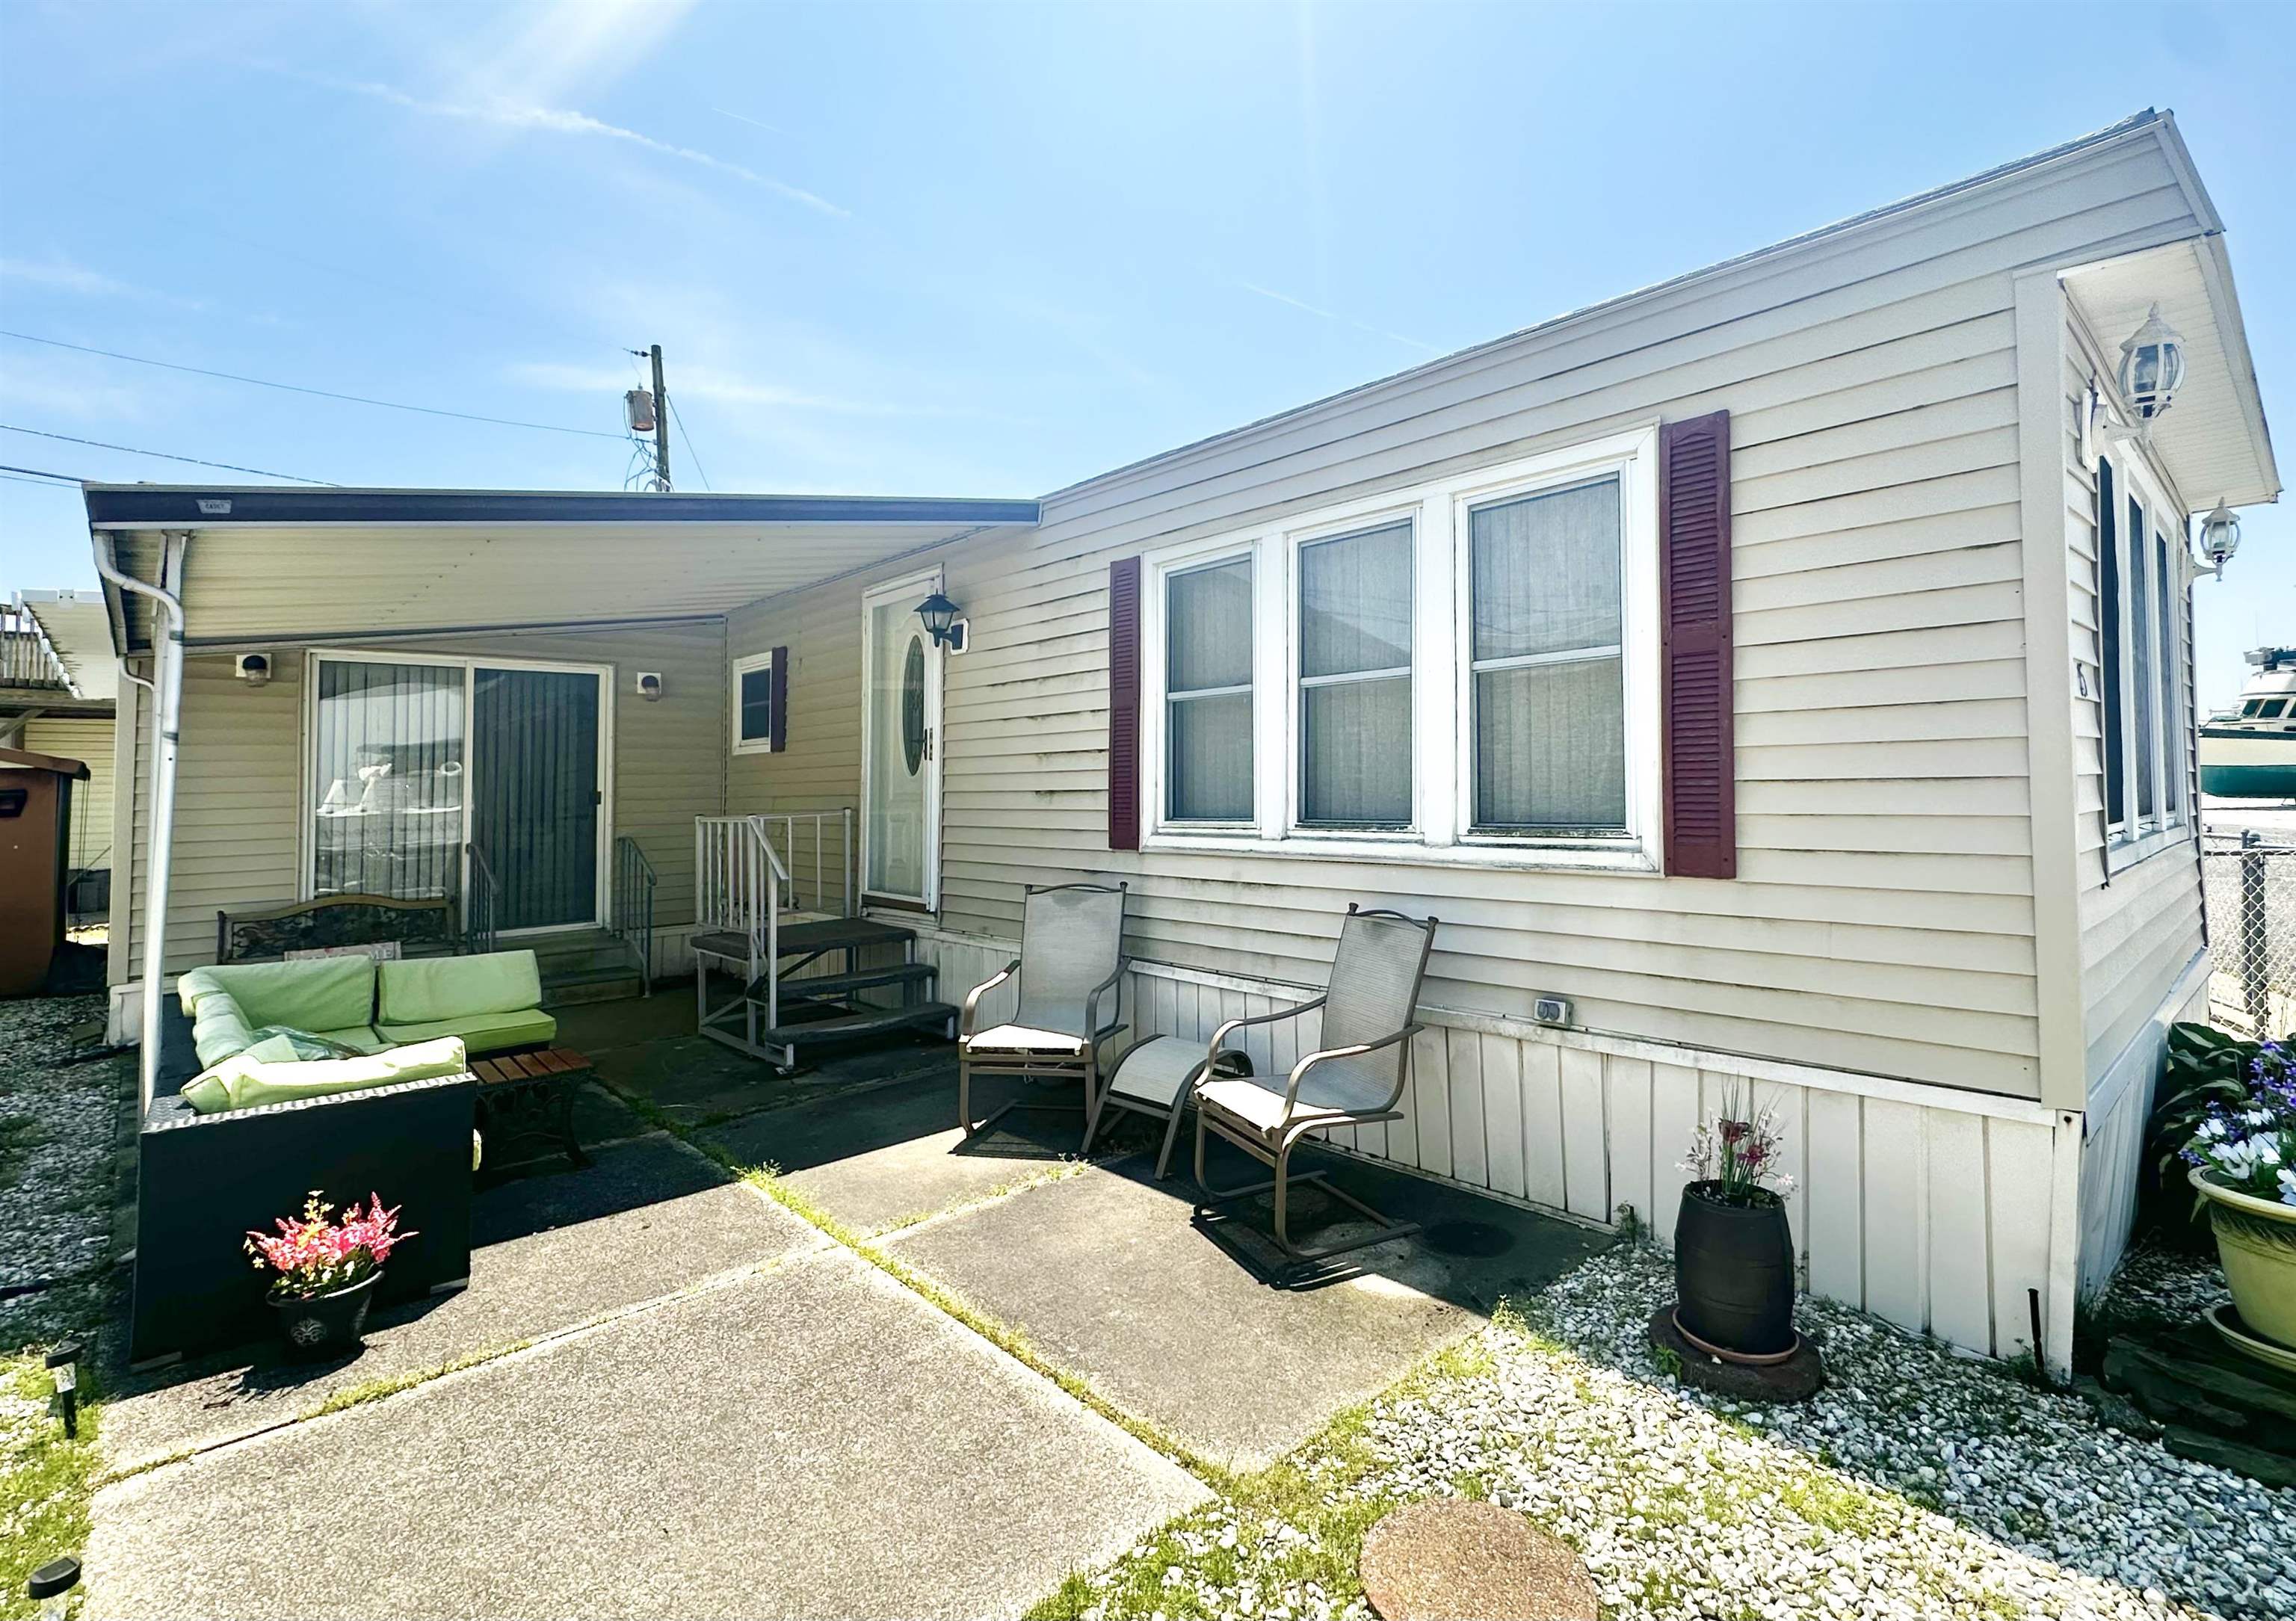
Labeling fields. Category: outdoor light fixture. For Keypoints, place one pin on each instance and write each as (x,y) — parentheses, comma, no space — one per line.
(50,1586)
(254,668)
(2219,539)
(2151,369)
(650,685)
(63,1366)
(941,622)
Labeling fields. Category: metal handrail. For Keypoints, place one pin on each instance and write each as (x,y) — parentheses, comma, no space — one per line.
(738,879)
(788,821)
(478,905)
(633,885)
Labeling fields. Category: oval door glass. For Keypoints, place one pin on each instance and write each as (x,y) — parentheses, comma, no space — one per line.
(899,717)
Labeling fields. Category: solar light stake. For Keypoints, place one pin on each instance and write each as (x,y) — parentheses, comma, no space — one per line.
(50,1586)
(63,1366)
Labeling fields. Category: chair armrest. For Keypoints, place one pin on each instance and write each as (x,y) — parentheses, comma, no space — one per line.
(972,997)
(1356,1050)
(1092,1000)
(1220,1036)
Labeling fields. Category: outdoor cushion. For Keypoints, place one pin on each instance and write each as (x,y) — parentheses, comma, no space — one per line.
(481,1032)
(219,1029)
(244,1080)
(1022,1038)
(1252,1105)
(323,994)
(427,989)
(360,1037)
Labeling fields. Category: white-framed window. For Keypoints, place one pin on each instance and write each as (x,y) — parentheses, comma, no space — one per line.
(1464,670)
(751,703)
(2143,606)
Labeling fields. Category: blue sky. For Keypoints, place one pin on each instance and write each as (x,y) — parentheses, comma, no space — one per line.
(971,251)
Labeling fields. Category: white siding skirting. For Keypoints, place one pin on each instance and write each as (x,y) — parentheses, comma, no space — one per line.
(1934,1208)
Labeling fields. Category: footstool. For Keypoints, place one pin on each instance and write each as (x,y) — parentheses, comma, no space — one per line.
(1155,1078)
(531,1094)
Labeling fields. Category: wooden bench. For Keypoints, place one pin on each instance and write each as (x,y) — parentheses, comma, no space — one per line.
(420,928)
(531,1094)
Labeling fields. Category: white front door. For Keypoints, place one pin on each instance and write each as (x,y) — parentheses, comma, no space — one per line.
(900,745)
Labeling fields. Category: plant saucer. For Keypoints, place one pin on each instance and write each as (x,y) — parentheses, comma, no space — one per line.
(2236,1333)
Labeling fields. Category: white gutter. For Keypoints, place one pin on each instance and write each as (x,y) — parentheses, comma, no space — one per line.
(167,688)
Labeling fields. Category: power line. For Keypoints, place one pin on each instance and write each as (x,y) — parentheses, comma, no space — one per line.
(40,472)
(355,399)
(35,483)
(687,440)
(165,455)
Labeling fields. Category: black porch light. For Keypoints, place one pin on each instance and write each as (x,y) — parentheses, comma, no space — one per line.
(941,622)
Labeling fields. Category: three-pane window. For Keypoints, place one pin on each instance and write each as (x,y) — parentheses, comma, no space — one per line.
(1208,643)
(2140,616)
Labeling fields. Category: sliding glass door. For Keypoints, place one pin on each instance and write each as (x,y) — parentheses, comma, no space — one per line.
(413,760)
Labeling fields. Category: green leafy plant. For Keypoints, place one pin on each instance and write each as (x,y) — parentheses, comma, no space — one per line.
(2206,1070)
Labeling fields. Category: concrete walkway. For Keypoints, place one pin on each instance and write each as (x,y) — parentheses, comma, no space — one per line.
(672,1397)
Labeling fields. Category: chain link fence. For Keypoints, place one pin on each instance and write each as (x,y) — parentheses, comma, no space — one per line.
(2248,886)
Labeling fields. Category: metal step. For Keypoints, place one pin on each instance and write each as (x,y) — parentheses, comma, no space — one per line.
(830,987)
(925,1015)
(837,934)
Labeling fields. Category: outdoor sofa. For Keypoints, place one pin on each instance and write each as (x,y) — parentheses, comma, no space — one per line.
(255,1134)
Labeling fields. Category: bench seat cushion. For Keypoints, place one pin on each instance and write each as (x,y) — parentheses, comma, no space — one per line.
(480,1032)
(430,989)
(245,1080)
(324,994)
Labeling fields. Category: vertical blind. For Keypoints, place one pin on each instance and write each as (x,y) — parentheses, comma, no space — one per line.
(387,780)
(1208,693)
(1355,680)
(1548,678)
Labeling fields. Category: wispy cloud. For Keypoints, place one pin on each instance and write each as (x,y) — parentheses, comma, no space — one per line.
(65,276)
(744,117)
(1333,315)
(565,121)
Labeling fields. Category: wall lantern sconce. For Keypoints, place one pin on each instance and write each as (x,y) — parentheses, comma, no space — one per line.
(2219,539)
(2150,371)
(942,623)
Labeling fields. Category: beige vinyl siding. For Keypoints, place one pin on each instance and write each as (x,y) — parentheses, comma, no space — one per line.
(238,793)
(86,739)
(2140,926)
(1882,920)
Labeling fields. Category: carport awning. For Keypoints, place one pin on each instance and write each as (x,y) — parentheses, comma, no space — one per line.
(266,565)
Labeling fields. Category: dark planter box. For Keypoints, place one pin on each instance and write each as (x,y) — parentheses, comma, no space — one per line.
(1733,1272)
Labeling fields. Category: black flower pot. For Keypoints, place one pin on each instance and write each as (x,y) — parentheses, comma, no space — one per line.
(315,1326)
(1733,1272)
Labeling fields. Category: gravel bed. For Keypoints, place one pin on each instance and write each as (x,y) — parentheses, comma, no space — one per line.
(1920,1483)
(57,1126)
(2163,1284)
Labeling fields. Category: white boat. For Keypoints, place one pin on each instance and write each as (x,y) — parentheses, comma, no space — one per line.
(2249,751)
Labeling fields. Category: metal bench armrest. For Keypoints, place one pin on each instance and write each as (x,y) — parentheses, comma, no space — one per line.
(972,997)
(1356,1050)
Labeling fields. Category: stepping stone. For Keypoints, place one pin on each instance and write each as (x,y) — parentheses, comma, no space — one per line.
(1797,1378)
(1446,1558)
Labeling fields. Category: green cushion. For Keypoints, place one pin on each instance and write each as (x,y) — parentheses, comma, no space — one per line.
(362,1036)
(432,988)
(322,994)
(219,1029)
(244,1080)
(481,1032)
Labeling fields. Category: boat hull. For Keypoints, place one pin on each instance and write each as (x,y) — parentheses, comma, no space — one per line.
(2248,766)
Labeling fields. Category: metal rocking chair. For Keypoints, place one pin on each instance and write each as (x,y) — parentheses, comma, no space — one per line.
(1071,957)
(1355,1078)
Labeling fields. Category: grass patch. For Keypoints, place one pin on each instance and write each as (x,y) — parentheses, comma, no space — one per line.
(45,1480)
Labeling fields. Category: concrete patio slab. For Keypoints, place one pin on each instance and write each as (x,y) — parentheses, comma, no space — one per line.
(813,1442)
(881,1159)
(647,1219)
(1109,1276)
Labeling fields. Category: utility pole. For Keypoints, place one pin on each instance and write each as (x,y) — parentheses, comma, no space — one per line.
(660,425)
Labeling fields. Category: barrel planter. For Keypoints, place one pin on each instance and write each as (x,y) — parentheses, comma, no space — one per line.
(2256,1243)
(1733,1271)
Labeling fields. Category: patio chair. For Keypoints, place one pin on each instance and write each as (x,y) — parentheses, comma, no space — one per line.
(1355,1078)
(1071,958)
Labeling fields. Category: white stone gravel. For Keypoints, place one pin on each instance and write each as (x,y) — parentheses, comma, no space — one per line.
(57,1126)
(1920,1483)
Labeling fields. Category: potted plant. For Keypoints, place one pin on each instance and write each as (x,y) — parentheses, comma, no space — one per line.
(325,1272)
(2242,1161)
(1734,1262)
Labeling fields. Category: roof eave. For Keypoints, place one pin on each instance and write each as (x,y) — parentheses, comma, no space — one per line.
(178,506)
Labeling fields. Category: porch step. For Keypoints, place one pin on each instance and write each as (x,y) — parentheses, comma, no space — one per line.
(832,987)
(603,984)
(837,934)
(874,1021)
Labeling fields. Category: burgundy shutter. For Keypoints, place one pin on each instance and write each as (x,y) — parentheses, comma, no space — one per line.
(778,687)
(1693,520)
(1124,704)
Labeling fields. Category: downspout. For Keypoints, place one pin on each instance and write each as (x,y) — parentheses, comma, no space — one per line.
(166,689)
